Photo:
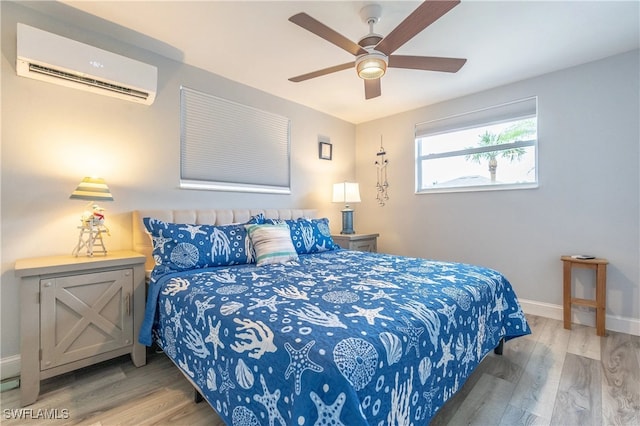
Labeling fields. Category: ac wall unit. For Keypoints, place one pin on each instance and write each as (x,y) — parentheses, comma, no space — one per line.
(49,57)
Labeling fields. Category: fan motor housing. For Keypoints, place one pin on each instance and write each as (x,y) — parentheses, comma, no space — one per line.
(370,40)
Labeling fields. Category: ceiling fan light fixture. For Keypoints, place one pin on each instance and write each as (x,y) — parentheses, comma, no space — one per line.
(371,66)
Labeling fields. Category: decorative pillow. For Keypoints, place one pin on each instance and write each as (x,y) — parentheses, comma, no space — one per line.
(256,219)
(309,235)
(272,243)
(180,247)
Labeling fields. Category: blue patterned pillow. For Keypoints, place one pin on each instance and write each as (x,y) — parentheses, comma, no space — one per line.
(180,247)
(309,235)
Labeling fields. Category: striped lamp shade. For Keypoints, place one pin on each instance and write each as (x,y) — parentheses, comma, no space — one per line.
(92,189)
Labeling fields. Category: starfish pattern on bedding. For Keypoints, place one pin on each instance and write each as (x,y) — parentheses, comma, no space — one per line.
(299,361)
(469,355)
(176,319)
(500,306)
(380,294)
(328,414)
(447,356)
(449,311)
(270,402)
(413,336)
(227,383)
(214,337)
(451,278)
(201,307)
(267,303)
(369,314)
(193,230)
(160,241)
(331,278)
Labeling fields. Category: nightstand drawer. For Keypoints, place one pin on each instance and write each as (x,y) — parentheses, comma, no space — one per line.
(359,242)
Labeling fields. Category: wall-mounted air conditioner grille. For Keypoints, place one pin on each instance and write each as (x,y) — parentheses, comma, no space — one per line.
(49,57)
(88,81)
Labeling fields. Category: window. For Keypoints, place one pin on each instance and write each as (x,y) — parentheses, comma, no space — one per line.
(227,146)
(493,148)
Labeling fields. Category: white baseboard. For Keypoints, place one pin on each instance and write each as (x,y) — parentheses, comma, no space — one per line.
(9,367)
(581,315)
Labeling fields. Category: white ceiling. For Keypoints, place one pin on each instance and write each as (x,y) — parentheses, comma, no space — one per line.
(252,42)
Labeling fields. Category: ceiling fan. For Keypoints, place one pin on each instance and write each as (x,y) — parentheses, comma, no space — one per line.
(373,52)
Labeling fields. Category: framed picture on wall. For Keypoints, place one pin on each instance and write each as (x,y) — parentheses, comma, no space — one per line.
(325,150)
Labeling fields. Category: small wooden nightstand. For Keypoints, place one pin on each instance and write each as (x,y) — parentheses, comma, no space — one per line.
(599,303)
(77,311)
(360,242)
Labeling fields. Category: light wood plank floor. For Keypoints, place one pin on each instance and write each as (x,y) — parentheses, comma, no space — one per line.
(553,377)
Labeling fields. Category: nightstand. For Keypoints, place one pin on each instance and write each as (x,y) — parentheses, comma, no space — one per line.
(77,311)
(599,266)
(360,242)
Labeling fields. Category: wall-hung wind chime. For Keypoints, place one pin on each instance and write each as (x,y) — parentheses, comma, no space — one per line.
(382,184)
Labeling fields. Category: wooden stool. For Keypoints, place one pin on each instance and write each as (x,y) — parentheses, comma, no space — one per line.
(600,266)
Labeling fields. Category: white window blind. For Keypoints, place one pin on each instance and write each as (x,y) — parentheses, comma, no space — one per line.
(232,147)
(523,108)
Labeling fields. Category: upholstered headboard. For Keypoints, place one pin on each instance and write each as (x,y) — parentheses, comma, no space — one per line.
(142,240)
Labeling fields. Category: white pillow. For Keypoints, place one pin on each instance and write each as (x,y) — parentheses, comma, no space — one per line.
(272,243)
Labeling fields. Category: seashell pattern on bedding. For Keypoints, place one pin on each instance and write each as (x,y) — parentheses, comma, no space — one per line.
(338,337)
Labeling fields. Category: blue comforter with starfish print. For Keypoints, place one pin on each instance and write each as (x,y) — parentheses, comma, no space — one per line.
(340,337)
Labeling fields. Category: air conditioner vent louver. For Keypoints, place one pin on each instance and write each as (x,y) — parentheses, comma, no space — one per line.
(88,81)
(55,59)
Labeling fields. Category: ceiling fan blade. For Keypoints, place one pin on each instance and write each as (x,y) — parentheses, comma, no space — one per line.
(321,72)
(426,14)
(428,63)
(321,30)
(372,88)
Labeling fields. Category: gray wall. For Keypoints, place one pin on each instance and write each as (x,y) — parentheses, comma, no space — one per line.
(53,136)
(587,201)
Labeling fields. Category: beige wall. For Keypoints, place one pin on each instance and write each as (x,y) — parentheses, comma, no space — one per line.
(52,136)
(587,201)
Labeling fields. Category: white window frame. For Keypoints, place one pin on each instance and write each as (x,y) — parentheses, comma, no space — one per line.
(510,111)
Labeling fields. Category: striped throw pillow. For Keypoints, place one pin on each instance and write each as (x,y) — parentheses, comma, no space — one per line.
(272,243)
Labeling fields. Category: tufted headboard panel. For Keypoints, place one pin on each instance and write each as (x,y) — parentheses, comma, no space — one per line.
(142,241)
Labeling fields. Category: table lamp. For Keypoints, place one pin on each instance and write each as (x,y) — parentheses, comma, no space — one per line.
(92,220)
(346,192)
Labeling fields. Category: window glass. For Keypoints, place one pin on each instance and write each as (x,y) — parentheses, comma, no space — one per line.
(479,151)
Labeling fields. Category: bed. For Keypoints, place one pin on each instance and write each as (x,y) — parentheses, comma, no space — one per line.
(274,324)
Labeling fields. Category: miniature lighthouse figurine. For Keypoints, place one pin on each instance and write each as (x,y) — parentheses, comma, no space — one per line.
(92,220)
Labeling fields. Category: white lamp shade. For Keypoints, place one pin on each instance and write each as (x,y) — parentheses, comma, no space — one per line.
(346,192)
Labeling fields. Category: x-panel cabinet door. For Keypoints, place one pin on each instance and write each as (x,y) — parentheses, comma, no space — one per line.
(85,315)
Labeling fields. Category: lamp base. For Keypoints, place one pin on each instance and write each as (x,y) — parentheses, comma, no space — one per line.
(90,238)
(347,222)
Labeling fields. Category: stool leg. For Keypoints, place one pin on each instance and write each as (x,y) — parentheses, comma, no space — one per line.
(601,294)
(566,293)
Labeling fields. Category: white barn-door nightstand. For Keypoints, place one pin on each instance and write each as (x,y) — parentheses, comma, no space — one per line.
(77,311)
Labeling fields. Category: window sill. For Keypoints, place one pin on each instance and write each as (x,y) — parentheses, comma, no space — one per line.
(479,188)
